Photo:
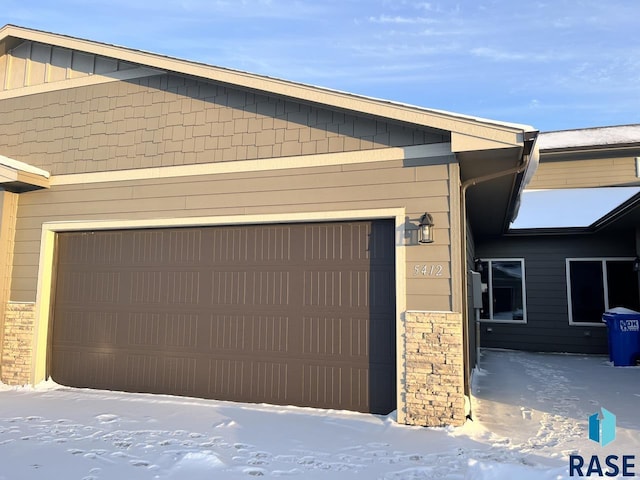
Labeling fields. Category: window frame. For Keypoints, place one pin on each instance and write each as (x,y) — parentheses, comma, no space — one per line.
(605,285)
(490,291)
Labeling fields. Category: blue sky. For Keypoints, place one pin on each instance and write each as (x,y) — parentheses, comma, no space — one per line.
(555,64)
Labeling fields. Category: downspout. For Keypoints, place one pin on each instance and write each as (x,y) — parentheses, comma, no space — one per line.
(525,166)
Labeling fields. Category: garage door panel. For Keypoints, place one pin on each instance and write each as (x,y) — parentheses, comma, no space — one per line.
(324,336)
(233,246)
(84,247)
(268,382)
(160,374)
(267,288)
(322,385)
(180,375)
(170,332)
(324,288)
(86,368)
(287,314)
(89,286)
(182,330)
(163,287)
(248,380)
(226,378)
(358,288)
(348,340)
(251,287)
(87,328)
(249,334)
(176,246)
(146,329)
(362,243)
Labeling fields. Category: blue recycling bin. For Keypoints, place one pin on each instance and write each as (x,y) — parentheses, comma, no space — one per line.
(623,334)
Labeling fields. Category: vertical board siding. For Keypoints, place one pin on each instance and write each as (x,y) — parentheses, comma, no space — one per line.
(33,63)
(266,314)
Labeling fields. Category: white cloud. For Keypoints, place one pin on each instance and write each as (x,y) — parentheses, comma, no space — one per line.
(424,6)
(524,55)
(497,55)
(400,19)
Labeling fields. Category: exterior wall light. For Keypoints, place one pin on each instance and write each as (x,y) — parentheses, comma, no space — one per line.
(425,229)
(636,264)
(478,265)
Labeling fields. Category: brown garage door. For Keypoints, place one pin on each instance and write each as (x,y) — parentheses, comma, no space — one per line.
(299,314)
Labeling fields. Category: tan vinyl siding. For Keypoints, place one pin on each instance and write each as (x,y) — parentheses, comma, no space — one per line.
(379,185)
(584,173)
(168,120)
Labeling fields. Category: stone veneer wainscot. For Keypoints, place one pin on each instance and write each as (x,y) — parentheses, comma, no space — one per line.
(17,348)
(434,369)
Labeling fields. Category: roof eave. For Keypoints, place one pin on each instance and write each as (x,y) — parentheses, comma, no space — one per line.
(17,177)
(490,132)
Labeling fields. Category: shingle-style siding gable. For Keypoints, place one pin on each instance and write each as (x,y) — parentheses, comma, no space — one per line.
(168,120)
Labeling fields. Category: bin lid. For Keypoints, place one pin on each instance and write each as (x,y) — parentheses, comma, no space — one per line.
(622,310)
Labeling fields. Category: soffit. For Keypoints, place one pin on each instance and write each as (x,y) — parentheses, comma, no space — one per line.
(490,203)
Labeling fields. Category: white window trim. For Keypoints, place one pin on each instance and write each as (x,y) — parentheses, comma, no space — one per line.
(605,284)
(489,286)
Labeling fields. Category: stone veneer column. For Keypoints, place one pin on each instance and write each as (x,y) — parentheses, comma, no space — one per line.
(434,371)
(17,348)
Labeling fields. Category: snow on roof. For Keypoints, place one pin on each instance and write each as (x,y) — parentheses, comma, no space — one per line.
(589,137)
(571,207)
(23,167)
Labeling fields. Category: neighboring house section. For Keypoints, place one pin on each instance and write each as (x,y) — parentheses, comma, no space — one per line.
(578,241)
(585,158)
(173,227)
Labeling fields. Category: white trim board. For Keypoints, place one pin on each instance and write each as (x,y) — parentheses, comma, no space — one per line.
(265,164)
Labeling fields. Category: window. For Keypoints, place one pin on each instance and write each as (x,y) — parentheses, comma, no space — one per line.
(503,291)
(598,284)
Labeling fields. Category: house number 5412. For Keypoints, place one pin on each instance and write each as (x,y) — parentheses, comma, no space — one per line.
(433,270)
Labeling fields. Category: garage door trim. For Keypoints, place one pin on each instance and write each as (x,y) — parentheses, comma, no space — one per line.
(47,264)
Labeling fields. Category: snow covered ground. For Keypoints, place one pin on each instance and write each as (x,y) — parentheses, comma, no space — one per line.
(530,413)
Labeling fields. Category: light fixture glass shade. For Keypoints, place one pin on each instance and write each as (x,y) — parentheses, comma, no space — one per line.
(425,229)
